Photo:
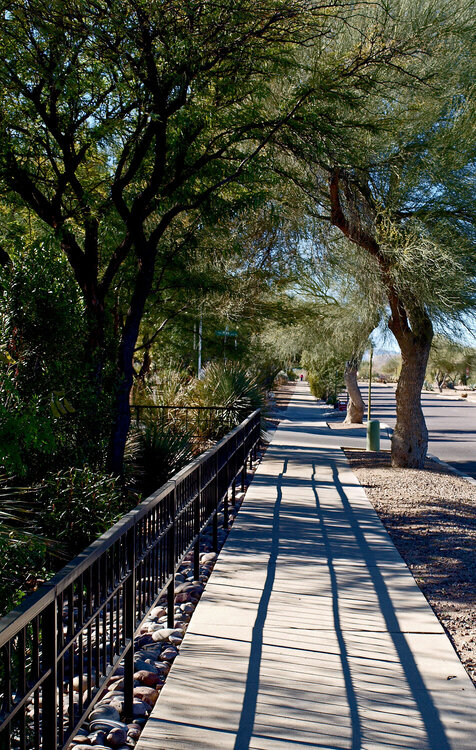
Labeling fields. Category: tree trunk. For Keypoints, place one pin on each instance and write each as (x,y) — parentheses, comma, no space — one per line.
(355,406)
(410,437)
(129,338)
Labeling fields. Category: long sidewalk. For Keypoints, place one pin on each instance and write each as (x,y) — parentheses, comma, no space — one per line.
(311,632)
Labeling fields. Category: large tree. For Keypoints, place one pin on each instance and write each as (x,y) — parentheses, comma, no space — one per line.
(117,117)
(398,187)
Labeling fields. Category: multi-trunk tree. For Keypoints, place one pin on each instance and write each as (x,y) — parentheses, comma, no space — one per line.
(118,117)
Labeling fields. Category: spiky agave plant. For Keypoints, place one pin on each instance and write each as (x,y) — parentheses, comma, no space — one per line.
(156,453)
(232,387)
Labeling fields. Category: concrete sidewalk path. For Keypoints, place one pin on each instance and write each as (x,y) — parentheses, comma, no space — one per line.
(311,632)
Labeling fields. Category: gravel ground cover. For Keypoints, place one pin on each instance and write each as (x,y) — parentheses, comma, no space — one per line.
(431,517)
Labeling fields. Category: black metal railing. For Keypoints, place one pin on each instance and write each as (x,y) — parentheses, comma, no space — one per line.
(198,420)
(61,646)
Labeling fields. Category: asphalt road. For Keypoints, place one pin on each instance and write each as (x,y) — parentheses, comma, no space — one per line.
(451,425)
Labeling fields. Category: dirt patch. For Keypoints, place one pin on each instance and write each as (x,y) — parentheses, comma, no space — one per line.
(431,517)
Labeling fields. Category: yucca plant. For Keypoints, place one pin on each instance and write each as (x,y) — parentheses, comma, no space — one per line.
(155,452)
(22,549)
(232,387)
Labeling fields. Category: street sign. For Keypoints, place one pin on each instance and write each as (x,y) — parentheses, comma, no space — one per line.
(232,334)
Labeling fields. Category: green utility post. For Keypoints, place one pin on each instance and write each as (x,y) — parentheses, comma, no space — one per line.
(373,426)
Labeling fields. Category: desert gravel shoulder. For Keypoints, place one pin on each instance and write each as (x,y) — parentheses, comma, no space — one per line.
(431,516)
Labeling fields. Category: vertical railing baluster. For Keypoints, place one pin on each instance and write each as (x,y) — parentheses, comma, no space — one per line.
(226,468)
(35,675)
(129,621)
(171,560)
(215,503)
(22,685)
(49,637)
(196,526)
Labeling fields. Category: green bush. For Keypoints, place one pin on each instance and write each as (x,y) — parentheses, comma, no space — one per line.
(317,385)
(77,506)
(155,453)
(22,567)
(231,386)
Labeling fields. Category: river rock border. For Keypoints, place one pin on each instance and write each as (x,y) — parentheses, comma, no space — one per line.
(155,649)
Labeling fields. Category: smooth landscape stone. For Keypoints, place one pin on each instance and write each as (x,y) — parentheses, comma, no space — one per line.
(143,640)
(140,709)
(106,725)
(98,738)
(146,695)
(134,729)
(186,597)
(169,654)
(149,679)
(157,612)
(175,640)
(148,652)
(162,635)
(140,664)
(116,684)
(81,738)
(118,702)
(76,681)
(116,737)
(151,628)
(187,607)
(208,557)
(104,711)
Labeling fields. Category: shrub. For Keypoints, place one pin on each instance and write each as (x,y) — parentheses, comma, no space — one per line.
(231,386)
(78,505)
(317,385)
(22,561)
(156,452)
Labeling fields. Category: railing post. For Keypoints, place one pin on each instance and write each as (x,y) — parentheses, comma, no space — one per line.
(129,622)
(171,562)
(49,711)
(215,515)
(243,463)
(233,492)
(196,526)
(226,519)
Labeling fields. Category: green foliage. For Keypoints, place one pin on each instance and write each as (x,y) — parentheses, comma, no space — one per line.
(22,567)
(155,453)
(51,412)
(449,361)
(391,368)
(77,506)
(317,385)
(228,385)
(26,427)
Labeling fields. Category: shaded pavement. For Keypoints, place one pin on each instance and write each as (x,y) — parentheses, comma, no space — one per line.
(311,632)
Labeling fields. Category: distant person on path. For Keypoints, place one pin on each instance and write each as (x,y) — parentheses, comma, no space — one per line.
(302,376)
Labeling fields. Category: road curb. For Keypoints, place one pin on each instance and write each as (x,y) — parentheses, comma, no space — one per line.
(453,470)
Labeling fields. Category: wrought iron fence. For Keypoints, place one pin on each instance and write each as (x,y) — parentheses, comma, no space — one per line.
(61,646)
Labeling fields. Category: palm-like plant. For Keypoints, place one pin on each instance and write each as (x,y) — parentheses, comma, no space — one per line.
(157,452)
(232,387)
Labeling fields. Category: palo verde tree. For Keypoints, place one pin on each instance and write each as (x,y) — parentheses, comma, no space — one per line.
(398,185)
(344,289)
(117,117)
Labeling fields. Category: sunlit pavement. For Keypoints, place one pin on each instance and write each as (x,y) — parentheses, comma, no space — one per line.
(311,632)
